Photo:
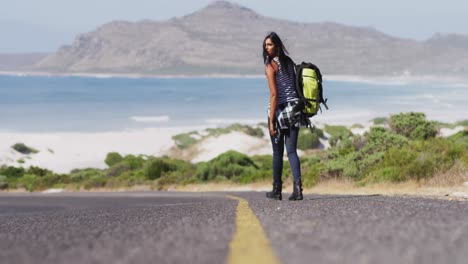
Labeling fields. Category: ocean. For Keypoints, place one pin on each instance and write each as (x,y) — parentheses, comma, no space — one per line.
(55,103)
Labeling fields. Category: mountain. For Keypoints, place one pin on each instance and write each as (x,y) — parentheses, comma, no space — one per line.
(19,61)
(226,38)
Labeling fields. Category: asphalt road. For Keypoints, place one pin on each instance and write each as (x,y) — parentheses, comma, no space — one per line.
(161,227)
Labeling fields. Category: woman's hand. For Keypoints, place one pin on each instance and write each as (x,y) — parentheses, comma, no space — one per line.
(272,129)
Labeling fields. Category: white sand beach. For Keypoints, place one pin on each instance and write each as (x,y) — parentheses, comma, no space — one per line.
(64,151)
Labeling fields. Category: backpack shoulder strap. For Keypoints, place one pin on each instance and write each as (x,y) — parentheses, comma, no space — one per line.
(298,72)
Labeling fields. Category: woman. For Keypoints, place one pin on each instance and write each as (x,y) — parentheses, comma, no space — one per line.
(279,69)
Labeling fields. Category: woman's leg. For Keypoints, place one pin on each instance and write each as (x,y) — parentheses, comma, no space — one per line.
(291,148)
(278,151)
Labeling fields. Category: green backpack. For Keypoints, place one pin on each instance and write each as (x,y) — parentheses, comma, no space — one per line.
(309,88)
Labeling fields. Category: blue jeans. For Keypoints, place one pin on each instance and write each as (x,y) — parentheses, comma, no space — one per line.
(289,138)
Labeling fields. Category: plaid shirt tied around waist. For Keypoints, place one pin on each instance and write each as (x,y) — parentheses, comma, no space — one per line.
(287,115)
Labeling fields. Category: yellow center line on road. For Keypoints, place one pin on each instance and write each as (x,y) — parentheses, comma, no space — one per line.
(249,244)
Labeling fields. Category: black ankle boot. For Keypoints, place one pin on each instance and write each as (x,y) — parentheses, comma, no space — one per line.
(297,192)
(276,192)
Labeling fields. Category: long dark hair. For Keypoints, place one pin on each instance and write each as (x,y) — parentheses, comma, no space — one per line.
(284,59)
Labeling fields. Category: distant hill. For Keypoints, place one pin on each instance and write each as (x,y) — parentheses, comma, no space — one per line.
(19,61)
(225,38)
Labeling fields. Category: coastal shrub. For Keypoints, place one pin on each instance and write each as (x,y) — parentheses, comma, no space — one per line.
(185,140)
(3,182)
(12,172)
(153,168)
(347,160)
(118,169)
(135,162)
(254,176)
(81,175)
(440,125)
(442,152)
(312,168)
(464,159)
(346,146)
(386,174)
(113,158)
(230,165)
(357,126)
(462,123)
(309,140)
(343,166)
(413,125)
(416,160)
(177,172)
(96,181)
(379,139)
(264,162)
(38,171)
(460,138)
(28,181)
(256,132)
(422,167)
(393,165)
(51,180)
(380,121)
(337,133)
(23,149)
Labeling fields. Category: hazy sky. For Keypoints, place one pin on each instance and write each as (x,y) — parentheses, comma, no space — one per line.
(44,25)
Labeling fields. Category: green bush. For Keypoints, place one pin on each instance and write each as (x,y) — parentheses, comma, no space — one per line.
(357,126)
(413,125)
(337,133)
(230,165)
(422,167)
(23,149)
(312,168)
(390,166)
(3,182)
(185,140)
(462,123)
(379,139)
(256,132)
(38,171)
(12,172)
(113,158)
(380,120)
(96,181)
(28,181)
(349,161)
(461,138)
(177,172)
(118,169)
(81,175)
(385,174)
(343,166)
(154,168)
(51,180)
(135,162)
(309,140)
(442,152)
(346,146)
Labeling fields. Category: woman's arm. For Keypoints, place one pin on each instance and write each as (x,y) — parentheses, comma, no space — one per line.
(271,72)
